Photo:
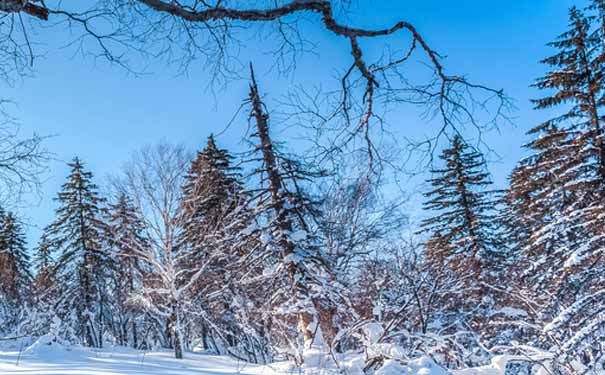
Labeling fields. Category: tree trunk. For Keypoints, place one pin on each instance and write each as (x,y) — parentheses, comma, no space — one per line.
(135,341)
(175,330)
(205,337)
(178,346)
(168,333)
(295,273)
(100,333)
(304,325)
(327,311)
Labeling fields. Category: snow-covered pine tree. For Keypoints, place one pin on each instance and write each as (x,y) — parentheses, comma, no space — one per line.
(304,290)
(126,237)
(44,264)
(83,265)
(463,234)
(575,81)
(533,197)
(464,224)
(575,137)
(212,189)
(565,169)
(45,288)
(535,205)
(15,267)
(560,190)
(213,215)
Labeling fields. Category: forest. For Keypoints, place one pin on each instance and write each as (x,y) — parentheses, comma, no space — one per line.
(269,255)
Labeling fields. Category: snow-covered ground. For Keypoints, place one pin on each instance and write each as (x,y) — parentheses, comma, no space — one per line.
(46,358)
(56,360)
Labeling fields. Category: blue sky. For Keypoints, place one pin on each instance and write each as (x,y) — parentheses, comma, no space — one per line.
(102,114)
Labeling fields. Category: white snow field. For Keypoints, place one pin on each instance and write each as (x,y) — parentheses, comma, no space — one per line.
(48,358)
(41,358)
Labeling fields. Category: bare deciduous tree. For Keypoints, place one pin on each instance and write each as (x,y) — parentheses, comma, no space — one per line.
(215,31)
(154,178)
(22,161)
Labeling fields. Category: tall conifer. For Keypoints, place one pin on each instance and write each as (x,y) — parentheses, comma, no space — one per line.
(83,263)
(464,224)
(15,272)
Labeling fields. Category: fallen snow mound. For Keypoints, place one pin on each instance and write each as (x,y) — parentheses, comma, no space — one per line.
(421,366)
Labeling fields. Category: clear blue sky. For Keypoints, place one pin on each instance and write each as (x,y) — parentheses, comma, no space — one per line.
(101,114)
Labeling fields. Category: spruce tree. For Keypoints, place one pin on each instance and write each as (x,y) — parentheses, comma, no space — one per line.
(126,240)
(536,200)
(463,228)
(576,82)
(554,204)
(212,216)
(44,281)
(15,272)
(556,193)
(212,191)
(558,189)
(83,263)
(463,244)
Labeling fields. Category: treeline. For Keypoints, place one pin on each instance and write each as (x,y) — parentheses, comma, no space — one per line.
(192,254)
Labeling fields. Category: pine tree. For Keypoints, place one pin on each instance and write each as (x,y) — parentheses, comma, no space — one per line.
(576,80)
(464,243)
(555,200)
(557,187)
(556,193)
(538,195)
(83,263)
(45,291)
(213,215)
(464,227)
(15,272)
(211,190)
(126,239)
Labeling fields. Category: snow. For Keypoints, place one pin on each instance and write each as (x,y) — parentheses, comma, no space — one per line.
(498,364)
(373,332)
(420,366)
(496,367)
(510,311)
(45,358)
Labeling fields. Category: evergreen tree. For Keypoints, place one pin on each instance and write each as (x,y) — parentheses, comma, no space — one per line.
(464,244)
(15,272)
(576,80)
(126,239)
(43,255)
(211,190)
(538,195)
(463,230)
(556,193)
(83,263)
(554,196)
(212,216)
(555,200)
(44,280)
